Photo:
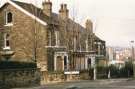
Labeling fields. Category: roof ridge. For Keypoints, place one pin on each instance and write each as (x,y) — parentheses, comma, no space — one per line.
(25,3)
(25,11)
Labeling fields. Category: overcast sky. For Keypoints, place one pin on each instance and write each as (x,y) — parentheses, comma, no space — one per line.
(114,19)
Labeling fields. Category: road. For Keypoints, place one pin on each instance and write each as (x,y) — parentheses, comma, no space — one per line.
(98,84)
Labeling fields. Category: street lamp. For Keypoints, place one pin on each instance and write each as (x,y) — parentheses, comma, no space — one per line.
(132,56)
(132,50)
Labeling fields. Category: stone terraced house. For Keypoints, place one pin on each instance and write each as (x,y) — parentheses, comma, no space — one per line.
(53,41)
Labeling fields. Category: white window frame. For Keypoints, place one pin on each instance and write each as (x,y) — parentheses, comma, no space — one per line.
(6,19)
(74,43)
(57,38)
(50,39)
(5,42)
(86,42)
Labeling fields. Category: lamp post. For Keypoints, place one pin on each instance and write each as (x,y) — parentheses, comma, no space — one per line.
(132,56)
(132,51)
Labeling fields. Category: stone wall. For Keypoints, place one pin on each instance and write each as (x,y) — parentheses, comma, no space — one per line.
(27,37)
(20,77)
(72,77)
(54,77)
(86,75)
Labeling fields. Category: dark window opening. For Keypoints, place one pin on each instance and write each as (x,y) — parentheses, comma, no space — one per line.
(7,43)
(9,17)
(89,63)
(65,62)
(7,40)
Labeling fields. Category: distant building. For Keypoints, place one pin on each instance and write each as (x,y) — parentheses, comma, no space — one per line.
(123,54)
(110,53)
(118,64)
(118,55)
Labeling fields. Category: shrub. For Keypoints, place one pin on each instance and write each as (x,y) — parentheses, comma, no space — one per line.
(102,72)
(16,65)
(124,72)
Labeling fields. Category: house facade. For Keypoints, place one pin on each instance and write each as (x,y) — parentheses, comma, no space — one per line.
(53,41)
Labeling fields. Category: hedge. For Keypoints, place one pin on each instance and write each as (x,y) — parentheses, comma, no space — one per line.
(102,72)
(124,72)
(16,65)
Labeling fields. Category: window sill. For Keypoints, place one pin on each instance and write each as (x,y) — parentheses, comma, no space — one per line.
(7,53)
(9,24)
(55,47)
(6,48)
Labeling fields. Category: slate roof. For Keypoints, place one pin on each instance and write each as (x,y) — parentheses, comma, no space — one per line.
(38,12)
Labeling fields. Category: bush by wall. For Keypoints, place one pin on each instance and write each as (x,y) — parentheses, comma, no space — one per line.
(124,72)
(102,72)
(16,65)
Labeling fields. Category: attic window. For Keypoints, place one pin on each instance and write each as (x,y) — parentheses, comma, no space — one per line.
(9,17)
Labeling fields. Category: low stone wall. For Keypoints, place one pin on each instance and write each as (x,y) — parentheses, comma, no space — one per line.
(54,77)
(72,77)
(86,75)
(19,77)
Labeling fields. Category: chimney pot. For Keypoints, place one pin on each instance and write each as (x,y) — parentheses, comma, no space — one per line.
(65,6)
(47,7)
(61,6)
(64,12)
(89,25)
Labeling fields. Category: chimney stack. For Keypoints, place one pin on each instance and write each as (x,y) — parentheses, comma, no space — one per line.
(89,25)
(64,12)
(47,7)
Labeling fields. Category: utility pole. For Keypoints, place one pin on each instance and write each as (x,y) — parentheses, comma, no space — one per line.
(132,49)
(132,56)
(95,64)
(95,70)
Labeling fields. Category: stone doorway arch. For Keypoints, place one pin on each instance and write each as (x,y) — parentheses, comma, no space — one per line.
(61,62)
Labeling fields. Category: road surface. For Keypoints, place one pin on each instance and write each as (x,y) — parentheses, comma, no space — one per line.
(98,84)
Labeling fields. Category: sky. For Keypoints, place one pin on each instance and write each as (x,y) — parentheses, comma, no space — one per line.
(114,20)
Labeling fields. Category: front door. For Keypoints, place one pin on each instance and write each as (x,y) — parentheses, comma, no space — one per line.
(89,66)
(59,63)
(89,63)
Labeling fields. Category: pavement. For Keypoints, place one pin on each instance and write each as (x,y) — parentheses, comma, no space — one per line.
(89,84)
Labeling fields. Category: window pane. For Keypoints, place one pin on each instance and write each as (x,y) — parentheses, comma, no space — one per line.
(7,43)
(9,17)
(6,38)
